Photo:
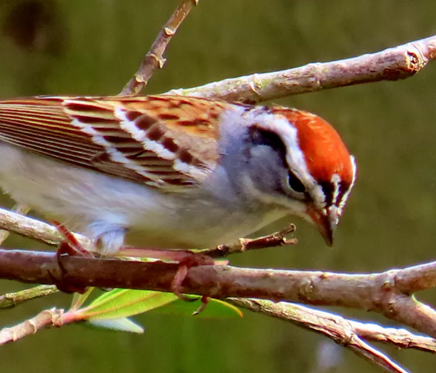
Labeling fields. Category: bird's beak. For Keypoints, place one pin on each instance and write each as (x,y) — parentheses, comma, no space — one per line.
(326,222)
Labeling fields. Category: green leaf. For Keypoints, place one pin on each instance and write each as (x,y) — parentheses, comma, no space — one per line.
(215,308)
(79,299)
(118,325)
(120,303)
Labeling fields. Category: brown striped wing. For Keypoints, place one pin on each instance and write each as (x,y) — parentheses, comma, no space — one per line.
(162,141)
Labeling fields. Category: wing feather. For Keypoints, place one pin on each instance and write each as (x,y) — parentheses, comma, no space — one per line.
(162,141)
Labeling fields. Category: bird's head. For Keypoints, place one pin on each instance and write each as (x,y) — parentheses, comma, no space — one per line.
(298,161)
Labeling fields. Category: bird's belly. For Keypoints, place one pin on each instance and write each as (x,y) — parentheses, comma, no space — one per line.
(187,232)
(79,198)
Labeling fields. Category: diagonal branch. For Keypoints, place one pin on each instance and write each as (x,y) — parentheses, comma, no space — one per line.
(396,63)
(334,326)
(154,59)
(19,209)
(339,330)
(35,229)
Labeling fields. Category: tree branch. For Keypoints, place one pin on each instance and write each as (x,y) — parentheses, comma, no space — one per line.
(11,300)
(20,210)
(334,326)
(28,227)
(52,317)
(35,229)
(154,59)
(396,63)
(244,244)
(369,292)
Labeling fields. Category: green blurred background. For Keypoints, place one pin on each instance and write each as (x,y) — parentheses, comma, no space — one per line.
(94,46)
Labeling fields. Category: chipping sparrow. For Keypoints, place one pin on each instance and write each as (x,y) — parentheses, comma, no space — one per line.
(171,171)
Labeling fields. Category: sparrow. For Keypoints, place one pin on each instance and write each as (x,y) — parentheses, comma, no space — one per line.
(171,172)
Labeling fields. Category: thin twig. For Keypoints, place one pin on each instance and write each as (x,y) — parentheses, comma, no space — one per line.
(52,317)
(244,244)
(396,63)
(154,58)
(35,229)
(19,209)
(11,300)
(46,233)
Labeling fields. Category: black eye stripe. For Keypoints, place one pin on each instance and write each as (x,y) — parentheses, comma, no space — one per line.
(259,136)
(295,183)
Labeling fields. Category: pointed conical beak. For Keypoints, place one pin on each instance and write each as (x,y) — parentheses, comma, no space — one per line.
(326,222)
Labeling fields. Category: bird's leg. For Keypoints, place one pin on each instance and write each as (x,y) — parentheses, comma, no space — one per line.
(186,259)
(72,247)
(68,247)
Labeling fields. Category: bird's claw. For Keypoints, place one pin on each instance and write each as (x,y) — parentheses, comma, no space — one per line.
(69,247)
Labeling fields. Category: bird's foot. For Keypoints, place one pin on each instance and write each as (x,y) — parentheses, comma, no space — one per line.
(68,247)
(185,259)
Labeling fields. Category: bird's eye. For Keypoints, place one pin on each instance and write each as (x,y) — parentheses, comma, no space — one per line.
(295,183)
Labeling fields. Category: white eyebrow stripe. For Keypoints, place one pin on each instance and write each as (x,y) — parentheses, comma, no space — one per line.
(336,181)
(345,196)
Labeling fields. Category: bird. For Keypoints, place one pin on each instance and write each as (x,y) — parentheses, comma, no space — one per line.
(171,172)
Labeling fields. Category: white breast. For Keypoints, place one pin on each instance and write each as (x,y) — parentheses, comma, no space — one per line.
(93,203)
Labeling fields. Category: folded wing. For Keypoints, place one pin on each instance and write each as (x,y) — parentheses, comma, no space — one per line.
(163,141)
